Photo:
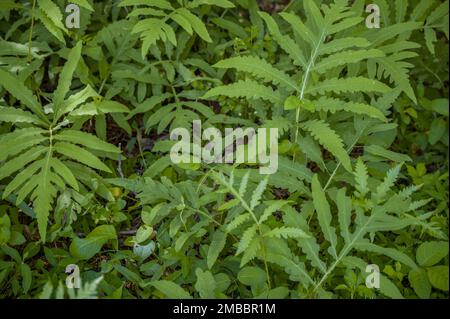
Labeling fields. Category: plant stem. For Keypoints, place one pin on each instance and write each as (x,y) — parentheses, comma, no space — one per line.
(305,81)
(349,149)
(31,32)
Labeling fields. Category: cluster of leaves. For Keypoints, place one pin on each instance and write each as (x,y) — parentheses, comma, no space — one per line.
(86,177)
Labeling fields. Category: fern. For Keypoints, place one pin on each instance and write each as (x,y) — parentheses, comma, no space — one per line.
(47,155)
(50,15)
(329,139)
(88,290)
(361,178)
(261,69)
(251,242)
(324,56)
(381,218)
(249,89)
(156,28)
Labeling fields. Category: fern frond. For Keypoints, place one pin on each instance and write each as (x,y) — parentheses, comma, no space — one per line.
(346,57)
(361,178)
(351,84)
(300,28)
(247,237)
(22,93)
(243,185)
(284,41)
(161,4)
(324,215)
(261,69)
(66,75)
(251,251)
(52,18)
(390,252)
(333,105)
(397,71)
(257,194)
(337,45)
(239,220)
(390,32)
(388,182)
(344,205)
(14,115)
(248,89)
(287,232)
(322,132)
(271,208)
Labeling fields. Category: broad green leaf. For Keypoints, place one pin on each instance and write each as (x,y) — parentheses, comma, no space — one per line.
(171,289)
(438,276)
(86,248)
(430,253)
(252,276)
(419,281)
(205,284)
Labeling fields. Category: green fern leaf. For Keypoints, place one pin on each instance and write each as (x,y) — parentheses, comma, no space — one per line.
(162,4)
(272,208)
(361,178)
(257,194)
(324,215)
(247,237)
(87,140)
(13,115)
(259,68)
(346,57)
(65,78)
(239,220)
(344,205)
(22,93)
(81,155)
(287,232)
(322,132)
(300,28)
(388,182)
(251,251)
(248,89)
(284,41)
(352,84)
(333,105)
(390,252)
(337,45)
(196,24)
(52,18)
(217,244)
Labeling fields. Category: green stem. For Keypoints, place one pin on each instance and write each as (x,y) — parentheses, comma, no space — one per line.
(311,62)
(347,248)
(349,149)
(31,32)
(252,213)
(266,266)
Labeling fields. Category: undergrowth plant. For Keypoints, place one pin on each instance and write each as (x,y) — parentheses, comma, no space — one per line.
(87,182)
